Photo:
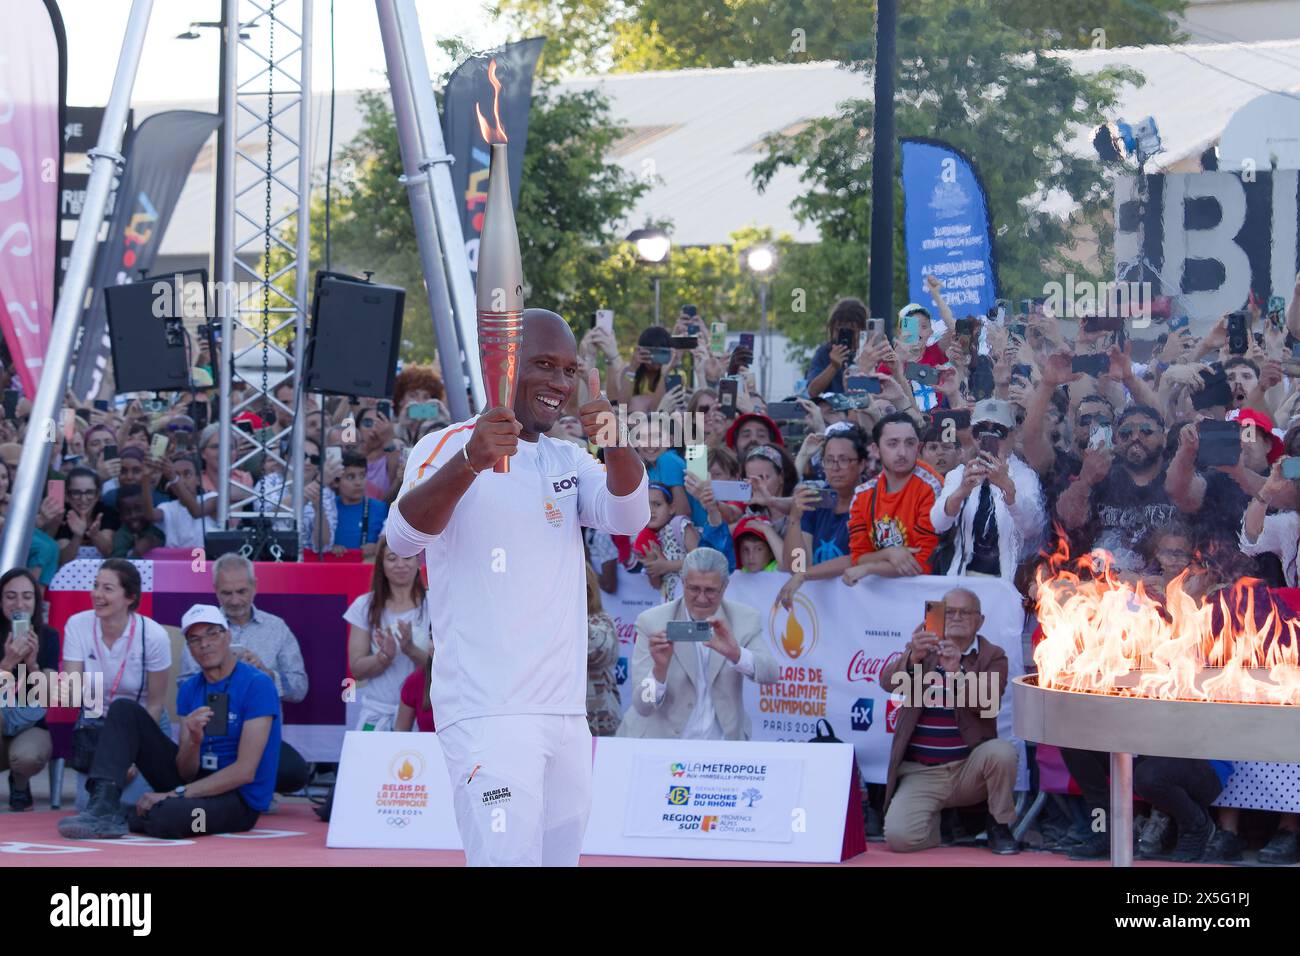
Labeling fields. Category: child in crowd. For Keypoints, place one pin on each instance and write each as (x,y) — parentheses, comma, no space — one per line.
(664,542)
(356,511)
(758,546)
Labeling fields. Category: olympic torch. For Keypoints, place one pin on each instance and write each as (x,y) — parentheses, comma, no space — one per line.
(500,289)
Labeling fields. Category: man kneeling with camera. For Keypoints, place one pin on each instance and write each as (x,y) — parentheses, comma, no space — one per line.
(221,776)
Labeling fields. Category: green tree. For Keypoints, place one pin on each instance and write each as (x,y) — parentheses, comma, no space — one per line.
(570,202)
(598,35)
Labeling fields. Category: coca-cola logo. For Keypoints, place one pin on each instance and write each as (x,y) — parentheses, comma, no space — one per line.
(867,668)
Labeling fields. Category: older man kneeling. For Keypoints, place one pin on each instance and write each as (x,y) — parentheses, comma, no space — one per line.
(693,689)
(946,751)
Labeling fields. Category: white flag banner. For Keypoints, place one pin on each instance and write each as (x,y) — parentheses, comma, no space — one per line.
(832,646)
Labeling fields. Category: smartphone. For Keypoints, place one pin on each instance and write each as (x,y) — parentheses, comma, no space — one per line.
(334,455)
(603,319)
(54,490)
(219,724)
(1290,469)
(660,356)
(685,343)
(22,622)
(697,461)
(690,311)
(849,339)
(110,452)
(922,374)
(1179,322)
(936,616)
(727,389)
(672,381)
(1220,443)
(785,411)
(1022,371)
(718,338)
(10,402)
(385,408)
(827,498)
(958,417)
(875,327)
(1276,312)
(746,341)
(732,490)
(1100,437)
(423,411)
(199,412)
(862,383)
(158,446)
(909,327)
(693,328)
(1094,365)
(1238,333)
(1103,323)
(100,404)
(689,631)
(990,444)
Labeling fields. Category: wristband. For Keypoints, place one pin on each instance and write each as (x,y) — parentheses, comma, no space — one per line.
(1262,501)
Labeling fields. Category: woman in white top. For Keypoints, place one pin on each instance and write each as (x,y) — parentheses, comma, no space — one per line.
(132,651)
(390,636)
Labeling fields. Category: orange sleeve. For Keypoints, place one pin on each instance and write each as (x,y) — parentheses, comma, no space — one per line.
(926,539)
(860,541)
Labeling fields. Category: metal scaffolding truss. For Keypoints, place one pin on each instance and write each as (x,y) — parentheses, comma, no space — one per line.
(263,266)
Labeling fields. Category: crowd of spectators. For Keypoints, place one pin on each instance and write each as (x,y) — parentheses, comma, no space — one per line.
(963,447)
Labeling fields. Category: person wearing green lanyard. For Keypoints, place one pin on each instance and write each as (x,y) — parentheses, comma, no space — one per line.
(219,777)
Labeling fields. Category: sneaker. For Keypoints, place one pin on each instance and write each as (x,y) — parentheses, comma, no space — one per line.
(20,800)
(1153,841)
(1224,847)
(1192,844)
(1096,847)
(1001,840)
(1282,850)
(101,820)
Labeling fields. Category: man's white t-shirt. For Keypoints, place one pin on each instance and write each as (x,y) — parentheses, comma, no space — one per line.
(181,528)
(507,576)
(151,650)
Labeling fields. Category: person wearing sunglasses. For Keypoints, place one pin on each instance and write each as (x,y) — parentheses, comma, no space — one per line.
(1121,489)
(1004,523)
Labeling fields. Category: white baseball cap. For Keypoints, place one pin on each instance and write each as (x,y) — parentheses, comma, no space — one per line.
(203,614)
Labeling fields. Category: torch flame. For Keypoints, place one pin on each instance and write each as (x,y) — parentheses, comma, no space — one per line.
(405,771)
(484,129)
(1104,634)
(792,640)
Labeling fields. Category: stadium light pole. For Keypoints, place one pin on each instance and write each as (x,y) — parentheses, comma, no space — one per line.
(882,167)
(761,261)
(652,248)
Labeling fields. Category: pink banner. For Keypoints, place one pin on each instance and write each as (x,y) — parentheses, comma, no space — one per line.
(32,65)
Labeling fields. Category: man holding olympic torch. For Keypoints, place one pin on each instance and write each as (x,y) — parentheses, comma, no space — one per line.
(507,590)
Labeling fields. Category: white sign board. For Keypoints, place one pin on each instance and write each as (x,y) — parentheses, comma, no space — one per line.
(392,793)
(720,800)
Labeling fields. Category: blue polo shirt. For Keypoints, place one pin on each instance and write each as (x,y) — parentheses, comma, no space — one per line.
(252,694)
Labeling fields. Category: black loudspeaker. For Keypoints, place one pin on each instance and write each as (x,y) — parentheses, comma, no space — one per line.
(356,330)
(147,335)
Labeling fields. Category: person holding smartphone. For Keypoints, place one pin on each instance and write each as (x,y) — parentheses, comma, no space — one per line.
(222,770)
(1006,523)
(29,647)
(847,320)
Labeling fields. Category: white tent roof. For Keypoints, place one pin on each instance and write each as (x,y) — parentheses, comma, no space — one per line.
(699,131)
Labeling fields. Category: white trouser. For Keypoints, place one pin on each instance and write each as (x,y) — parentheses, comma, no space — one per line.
(521,787)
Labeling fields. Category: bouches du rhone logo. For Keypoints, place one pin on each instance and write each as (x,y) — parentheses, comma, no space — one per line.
(793,633)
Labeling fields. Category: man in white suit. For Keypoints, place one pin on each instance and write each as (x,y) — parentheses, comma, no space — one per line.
(692,690)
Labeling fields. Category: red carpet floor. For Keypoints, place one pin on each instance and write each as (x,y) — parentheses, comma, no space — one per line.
(295,838)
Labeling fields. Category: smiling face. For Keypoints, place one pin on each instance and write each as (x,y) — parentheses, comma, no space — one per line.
(109,598)
(18,597)
(400,571)
(133,513)
(548,372)
(82,494)
(752,432)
